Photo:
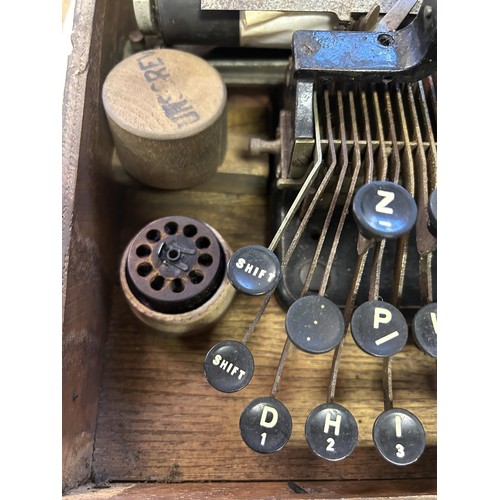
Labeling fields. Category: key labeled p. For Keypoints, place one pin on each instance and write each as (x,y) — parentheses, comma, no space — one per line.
(381,315)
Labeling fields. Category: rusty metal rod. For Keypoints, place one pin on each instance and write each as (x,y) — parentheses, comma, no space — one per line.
(361,258)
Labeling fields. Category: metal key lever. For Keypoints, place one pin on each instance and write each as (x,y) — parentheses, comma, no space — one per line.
(396,15)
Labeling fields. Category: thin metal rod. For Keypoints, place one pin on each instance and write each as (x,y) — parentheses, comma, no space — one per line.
(348,310)
(259,315)
(357,167)
(279,371)
(426,242)
(318,160)
(388,395)
(425,278)
(349,307)
(333,203)
(382,153)
(409,184)
(298,233)
(326,224)
(375,273)
(368,137)
(431,151)
(291,248)
(395,161)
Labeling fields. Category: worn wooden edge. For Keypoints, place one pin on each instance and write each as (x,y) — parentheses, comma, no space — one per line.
(88,196)
(422,489)
(72,119)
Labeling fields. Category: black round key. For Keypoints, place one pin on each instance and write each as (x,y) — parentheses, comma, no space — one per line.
(229,366)
(331,431)
(425,329)
(314,324)
(266,425)
(254,270)
(379,329)
(432,210)
(399,436)
(384,209)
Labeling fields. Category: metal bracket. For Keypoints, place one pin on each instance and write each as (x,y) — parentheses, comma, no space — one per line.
(405,55)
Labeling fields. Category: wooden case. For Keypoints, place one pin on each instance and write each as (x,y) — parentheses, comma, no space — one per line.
(139,419)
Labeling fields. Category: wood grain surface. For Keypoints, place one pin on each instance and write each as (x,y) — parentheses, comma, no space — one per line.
(303,490)
(159,420)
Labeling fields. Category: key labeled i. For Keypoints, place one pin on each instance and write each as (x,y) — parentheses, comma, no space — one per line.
(399,436)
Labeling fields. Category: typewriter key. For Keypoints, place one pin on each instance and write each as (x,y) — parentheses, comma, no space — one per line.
(314,324)
(399,436)
(425,329)
(432,209)
(331,431)
(266,425)
(379,329)
(384,209)
(229,366)
(254,270)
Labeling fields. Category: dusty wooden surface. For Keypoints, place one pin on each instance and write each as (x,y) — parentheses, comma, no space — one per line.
(310,490)
(159,420)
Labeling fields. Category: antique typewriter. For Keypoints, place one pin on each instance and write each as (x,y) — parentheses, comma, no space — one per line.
(273,324)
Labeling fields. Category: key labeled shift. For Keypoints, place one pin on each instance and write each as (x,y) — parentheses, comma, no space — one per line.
(254,270)
(229,366)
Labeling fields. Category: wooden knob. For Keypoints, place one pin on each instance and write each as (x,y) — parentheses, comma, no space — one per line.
(167,112)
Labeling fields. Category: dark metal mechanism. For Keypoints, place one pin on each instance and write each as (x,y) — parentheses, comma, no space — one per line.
(405,55)
(376,95)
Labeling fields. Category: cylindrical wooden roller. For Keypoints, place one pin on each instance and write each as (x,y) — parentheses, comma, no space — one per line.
(167,112)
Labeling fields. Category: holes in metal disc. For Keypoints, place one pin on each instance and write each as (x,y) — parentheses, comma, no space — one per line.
(190,230)
(171,227)
(385,39)
(143,251)
(177,286)
(153,235)
(144,269)
(157,282)
(202,242)
(205,260)
(196,277)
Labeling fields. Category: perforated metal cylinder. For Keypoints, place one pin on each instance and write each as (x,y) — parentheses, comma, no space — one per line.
(173,275)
